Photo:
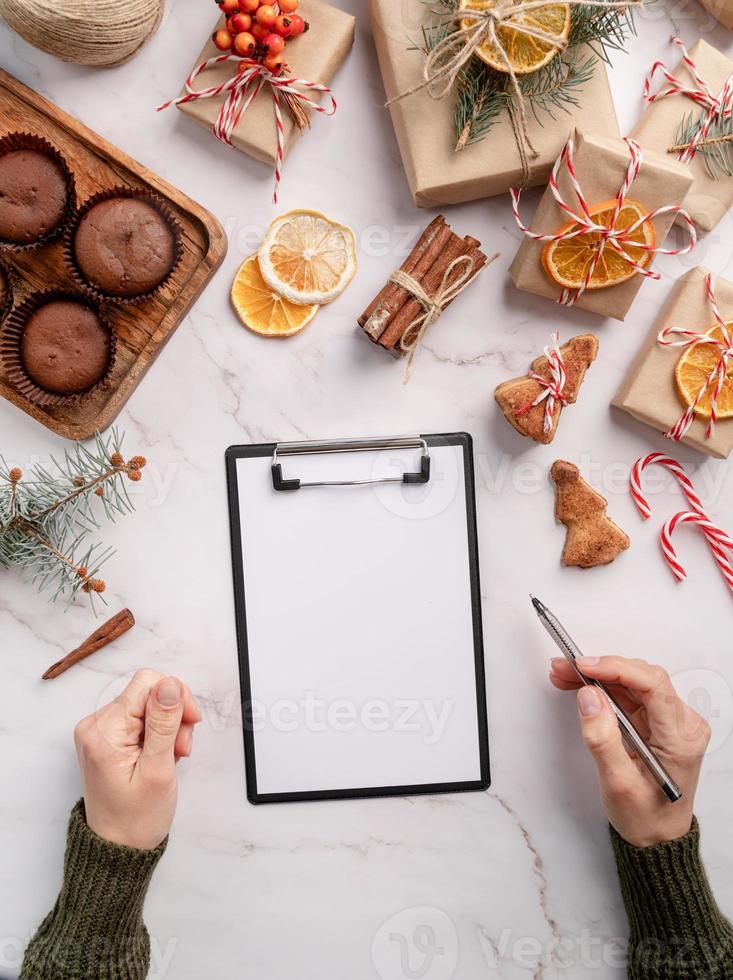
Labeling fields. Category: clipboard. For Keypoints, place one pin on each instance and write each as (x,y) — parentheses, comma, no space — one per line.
(358,617)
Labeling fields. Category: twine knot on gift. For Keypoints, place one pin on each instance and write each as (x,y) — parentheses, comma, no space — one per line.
(457,276)
(609,235)
(718,374)
(717,539)
(552,388)
(444,62)
(718,107)
(241,90)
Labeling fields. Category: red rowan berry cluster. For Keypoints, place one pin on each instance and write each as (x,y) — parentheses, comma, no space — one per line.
(259,29)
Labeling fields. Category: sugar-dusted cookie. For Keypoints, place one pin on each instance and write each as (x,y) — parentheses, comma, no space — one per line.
(592,538)
(516,398)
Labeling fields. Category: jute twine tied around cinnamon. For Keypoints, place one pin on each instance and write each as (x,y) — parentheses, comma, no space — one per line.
(98,33)
(444,62)
(432,305)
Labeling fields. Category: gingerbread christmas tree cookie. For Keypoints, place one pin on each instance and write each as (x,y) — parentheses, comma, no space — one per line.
(534,402)
(592,538)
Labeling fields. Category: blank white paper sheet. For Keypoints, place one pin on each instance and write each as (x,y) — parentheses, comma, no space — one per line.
(359,626)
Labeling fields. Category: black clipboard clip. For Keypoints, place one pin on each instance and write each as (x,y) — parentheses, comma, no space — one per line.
(349,446)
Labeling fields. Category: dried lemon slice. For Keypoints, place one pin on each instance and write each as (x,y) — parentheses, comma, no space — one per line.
(261,309)
(693,370)
(525,53)
(307,258)
(567,261)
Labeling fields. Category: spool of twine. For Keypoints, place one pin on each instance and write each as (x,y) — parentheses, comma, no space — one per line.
(98,33)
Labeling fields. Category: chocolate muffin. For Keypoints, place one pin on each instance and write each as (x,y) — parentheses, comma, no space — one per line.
(65,347)
(124,247)
(33,195)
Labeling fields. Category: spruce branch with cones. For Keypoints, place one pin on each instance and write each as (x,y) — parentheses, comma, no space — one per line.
(47,516)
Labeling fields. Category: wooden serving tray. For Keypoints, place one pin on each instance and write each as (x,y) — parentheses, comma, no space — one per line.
(142,330)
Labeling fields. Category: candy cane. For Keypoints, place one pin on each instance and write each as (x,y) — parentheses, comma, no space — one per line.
(719,542)
(677,471)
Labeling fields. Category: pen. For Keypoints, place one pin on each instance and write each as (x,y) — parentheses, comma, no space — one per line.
(629,734)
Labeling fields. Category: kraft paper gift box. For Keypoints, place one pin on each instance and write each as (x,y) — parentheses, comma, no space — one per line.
(424,126)
(709,198)
(314,56)
(722,11)
(649,392)
(600,166)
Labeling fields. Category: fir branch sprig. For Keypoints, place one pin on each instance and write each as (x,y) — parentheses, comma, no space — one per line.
(602,30)
(482,92)
(716,149)
(47,516)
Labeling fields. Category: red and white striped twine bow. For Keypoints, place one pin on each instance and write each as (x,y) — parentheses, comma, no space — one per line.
(717,376)
(609,235)
(242,88)
(717,539)
(552,389)
(717,107)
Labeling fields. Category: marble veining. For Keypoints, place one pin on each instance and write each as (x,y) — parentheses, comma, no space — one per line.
(514,883)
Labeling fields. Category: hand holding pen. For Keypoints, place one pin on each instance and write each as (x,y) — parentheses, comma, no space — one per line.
(647,743)
(678,735)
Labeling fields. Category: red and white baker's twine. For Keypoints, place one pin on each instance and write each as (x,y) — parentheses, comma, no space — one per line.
(552,389)
(717,376)
(610,236)
(717,107)
(717,539)
(242,88)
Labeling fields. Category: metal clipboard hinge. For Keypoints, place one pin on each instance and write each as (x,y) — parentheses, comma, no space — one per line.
(349,446)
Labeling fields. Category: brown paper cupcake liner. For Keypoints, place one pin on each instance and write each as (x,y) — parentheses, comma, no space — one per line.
(30,141)
(70,257)
(6,301)
(12,357)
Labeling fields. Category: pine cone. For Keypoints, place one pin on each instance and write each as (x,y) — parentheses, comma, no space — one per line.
(134,475)
(117,460)
(16,474)
(137,462)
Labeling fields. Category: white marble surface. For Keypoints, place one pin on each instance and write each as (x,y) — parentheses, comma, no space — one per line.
(309,891)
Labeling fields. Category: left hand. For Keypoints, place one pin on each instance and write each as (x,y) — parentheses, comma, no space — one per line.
(128,752)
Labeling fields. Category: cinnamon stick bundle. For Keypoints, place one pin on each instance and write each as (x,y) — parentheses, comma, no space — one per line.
(394,308)
(107,632)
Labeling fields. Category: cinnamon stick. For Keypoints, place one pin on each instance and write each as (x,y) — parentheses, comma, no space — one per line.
(431,282)
(109,631)
(393,297)
(407,266)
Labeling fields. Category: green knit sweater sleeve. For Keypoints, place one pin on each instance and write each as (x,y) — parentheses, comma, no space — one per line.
(677,931)
(95,931)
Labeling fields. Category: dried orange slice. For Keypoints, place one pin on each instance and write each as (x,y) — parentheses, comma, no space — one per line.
(261,309)
(307,258)
(526,54)
(566,262)
(693,370)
